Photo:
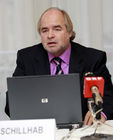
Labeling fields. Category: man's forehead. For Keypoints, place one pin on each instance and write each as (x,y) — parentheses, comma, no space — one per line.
(52,26)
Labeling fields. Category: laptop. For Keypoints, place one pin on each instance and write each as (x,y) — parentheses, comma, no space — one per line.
(46,96)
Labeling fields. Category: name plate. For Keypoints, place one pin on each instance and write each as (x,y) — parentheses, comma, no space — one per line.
(41,129)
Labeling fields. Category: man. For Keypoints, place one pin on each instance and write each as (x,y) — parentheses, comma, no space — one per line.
(56,30)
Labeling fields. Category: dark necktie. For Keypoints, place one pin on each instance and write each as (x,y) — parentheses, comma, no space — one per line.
(57,61)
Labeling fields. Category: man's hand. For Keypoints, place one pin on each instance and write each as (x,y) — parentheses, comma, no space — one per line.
(88,120)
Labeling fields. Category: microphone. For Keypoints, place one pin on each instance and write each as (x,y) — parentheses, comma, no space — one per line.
(94,90)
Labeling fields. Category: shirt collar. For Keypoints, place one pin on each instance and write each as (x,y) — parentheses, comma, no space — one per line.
(65,56)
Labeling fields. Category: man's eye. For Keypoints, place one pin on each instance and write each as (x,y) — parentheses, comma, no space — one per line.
(58,29)
(44,30)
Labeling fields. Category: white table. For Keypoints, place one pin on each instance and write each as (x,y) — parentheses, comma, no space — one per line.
(106,128)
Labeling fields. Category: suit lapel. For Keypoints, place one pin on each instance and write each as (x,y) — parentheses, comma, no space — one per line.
(76,60)
(41,63)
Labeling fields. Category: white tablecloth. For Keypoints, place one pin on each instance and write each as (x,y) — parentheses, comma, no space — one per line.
(106,128)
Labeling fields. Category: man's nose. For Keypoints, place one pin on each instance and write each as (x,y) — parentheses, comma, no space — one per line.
(51,34)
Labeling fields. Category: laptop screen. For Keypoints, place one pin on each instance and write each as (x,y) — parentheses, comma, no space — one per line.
(45,96)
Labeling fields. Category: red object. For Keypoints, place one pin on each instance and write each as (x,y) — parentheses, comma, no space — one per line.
(93,81)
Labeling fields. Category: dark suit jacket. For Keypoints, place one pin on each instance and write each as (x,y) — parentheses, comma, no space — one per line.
(34,61)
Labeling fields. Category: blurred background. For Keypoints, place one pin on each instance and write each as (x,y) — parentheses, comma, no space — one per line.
(92,20)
